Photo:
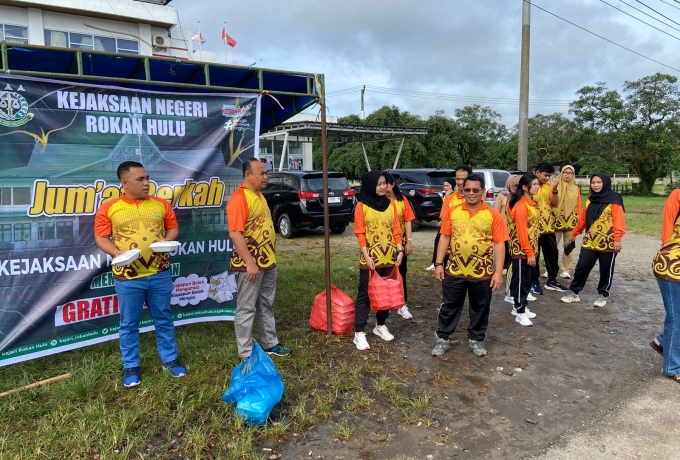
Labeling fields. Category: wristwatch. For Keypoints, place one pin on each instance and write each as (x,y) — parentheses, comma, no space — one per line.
(438,264)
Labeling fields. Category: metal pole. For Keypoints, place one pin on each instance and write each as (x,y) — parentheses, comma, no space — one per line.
(523,131)
(396,160)
(363,90)
(326,217)
(283,151)
(368,166)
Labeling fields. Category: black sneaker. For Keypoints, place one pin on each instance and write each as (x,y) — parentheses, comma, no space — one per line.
(536,288)
(556,286)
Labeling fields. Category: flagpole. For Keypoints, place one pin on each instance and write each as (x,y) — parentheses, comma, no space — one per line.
(200,45)
(224,40)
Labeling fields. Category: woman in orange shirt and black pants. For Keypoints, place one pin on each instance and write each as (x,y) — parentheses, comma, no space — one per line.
(604,224)
(376,225)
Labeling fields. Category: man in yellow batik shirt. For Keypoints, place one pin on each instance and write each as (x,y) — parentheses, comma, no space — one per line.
(251,229)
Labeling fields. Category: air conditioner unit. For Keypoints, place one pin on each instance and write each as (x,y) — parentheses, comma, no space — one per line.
(161,42)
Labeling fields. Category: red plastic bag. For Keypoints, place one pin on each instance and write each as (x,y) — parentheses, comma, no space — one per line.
(342,312)
(386,293)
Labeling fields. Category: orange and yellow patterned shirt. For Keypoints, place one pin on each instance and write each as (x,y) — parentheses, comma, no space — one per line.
(523,223)
(666,263)
(380,232)
(608,228)
(248,212)
(472,238)
(451,201)
(404,212)
(135,224)
(546,215)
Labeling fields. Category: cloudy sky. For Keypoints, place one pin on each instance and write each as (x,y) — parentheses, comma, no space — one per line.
(466,50)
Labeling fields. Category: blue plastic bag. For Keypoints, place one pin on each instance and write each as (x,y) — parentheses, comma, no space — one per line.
(256,387)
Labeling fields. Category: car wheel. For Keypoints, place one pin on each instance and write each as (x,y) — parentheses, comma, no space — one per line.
(415,224)
(286,229)
(338,229)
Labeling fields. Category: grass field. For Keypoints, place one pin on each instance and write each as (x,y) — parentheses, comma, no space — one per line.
(92,416)
(643,214)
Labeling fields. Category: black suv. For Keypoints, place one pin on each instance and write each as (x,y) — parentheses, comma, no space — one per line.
(424,189)
(295,201)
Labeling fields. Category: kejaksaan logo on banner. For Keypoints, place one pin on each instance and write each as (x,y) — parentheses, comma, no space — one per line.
(14,108)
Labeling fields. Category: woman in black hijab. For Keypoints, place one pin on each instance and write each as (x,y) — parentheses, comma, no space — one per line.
(604,224)
(376,225)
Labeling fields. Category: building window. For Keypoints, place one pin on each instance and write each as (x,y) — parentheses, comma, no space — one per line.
(14,34)
(90,42)
(5,232)
(22,232)
(209,217)
(64,229)
(15,196)
(46,230)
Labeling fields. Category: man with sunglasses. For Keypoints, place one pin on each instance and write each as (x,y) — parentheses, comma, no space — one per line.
(475,234)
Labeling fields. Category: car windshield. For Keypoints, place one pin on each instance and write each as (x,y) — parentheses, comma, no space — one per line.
(334,183)
(438,178)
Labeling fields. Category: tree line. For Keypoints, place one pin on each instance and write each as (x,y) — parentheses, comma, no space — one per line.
(634,131)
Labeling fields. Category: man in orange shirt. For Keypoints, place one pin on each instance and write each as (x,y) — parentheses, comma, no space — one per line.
(135,221)
(476,235)
(251,230)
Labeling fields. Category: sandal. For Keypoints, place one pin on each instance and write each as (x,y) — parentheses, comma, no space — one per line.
(674,377)
(656,346)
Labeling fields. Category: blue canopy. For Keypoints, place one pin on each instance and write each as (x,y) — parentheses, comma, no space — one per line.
(295,91)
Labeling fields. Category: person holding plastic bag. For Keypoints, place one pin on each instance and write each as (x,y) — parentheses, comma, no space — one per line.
(376,226)
(476,235)
(405,213)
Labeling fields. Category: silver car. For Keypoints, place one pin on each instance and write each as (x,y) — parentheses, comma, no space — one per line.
(494,181)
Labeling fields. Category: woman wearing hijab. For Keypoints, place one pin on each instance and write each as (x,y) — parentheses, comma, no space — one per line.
(405,213)
(449,186)
(566,214)
(604,224)
(667,274)
(376,225)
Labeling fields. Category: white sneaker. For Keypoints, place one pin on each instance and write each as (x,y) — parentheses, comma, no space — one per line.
(565,275)
(430,268)
(383,333)
(530,314)
(523,320)
(545,275)
(600,301)
(571,297)
(404,313)
(360,341)
(511,299)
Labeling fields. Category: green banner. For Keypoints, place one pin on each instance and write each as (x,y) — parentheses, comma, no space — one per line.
(60,145)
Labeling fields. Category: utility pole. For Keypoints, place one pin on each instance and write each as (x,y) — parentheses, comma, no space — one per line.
(363,90)
(523,132)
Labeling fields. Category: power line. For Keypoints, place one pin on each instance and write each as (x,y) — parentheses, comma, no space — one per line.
(634,17)
(449,97)
(660,14)
(647,14)
(670,4)
(600,36)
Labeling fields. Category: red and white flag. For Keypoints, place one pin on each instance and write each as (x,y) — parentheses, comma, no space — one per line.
(199,37)
(227,39)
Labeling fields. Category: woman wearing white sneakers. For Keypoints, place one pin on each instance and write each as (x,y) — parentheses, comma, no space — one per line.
(376,225)
(523,229)
(566,214)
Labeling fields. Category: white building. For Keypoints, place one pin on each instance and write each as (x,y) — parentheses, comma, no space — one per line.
(144,27)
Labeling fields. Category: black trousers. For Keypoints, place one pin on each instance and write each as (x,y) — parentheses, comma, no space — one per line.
(547,244)
(362,305)
(520,283)
(455,291)
(508,256)
(403,269)
(586,262)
